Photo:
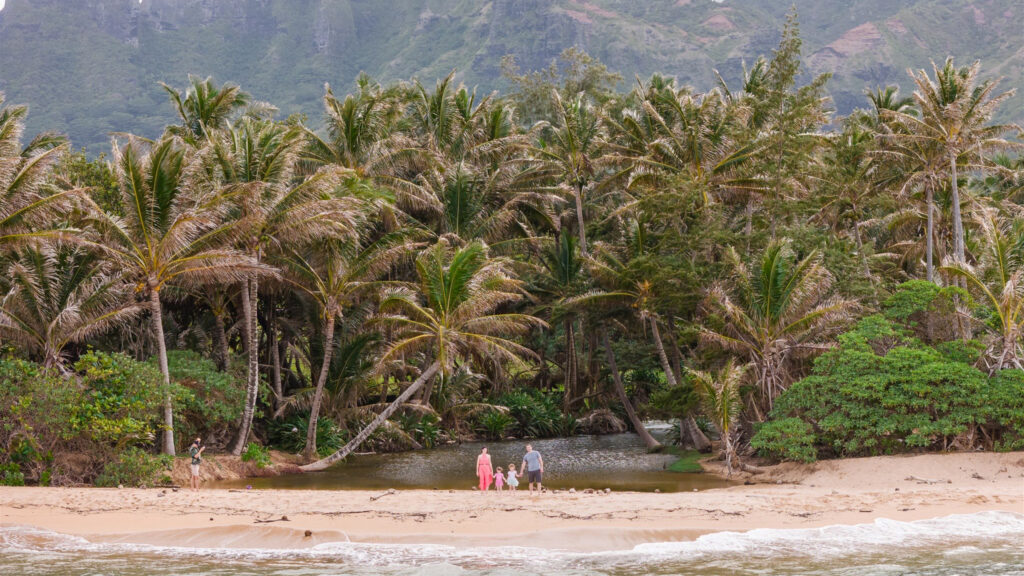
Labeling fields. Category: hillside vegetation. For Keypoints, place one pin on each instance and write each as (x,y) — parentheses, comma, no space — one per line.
(92,67)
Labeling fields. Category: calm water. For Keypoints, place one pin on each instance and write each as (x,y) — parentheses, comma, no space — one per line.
(967,545)
(618,461)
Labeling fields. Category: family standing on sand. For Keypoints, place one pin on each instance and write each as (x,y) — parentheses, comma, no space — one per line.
(532,466)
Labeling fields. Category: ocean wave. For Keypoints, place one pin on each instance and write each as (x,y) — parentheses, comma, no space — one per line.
(964,532)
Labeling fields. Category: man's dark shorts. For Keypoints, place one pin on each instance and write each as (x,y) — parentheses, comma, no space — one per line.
(533,476)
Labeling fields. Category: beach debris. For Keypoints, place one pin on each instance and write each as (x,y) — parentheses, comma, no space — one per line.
(248,486)
(308,533)
(607,490)
(120,486)
(211,519)
(572,490)
(865,510)
(657,491)
(920,480)
(379,496)
(588,491)
(977,476)
(269,520)
(906,509)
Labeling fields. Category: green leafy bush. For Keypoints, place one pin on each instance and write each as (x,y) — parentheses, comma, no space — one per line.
(133,468)
(256,454)
(11,475)
(210,403)
(883,391)
(423,429)
(786,439)
(110,402)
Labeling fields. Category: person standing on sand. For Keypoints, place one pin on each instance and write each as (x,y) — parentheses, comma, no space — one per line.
(196,451)
(534,466)
(484,470)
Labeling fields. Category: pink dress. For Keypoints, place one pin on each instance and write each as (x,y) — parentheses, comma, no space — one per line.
(499,481)
(484,471)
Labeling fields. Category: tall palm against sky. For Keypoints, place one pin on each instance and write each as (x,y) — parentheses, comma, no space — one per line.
(453,316)
(173,231)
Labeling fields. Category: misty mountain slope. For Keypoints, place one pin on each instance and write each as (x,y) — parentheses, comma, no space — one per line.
(90,67)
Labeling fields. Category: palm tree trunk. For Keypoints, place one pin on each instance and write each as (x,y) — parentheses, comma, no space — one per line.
(325,368)
(365,433)
(620,389)
(571,376)
(670,376)
(161,346)
(579,221)
(221,336)
(958,224)
(275,357)
(930,234)
(249,304)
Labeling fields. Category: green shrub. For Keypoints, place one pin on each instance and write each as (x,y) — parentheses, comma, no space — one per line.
(11,475)
(210,403)
(883,391)
(493,424)
(133,468)
(786,439)
(256,454)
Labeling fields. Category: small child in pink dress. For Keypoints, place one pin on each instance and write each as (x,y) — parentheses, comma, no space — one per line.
(499,479)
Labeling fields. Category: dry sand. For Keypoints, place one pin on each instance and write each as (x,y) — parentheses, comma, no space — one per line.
(849,491)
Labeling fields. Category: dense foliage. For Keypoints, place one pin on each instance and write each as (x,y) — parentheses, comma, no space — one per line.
(430,266)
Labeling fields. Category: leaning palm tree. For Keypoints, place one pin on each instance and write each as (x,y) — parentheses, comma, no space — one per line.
(955,113)
(774,315)
(999,278)
(720,397)
(61,295)
(172,232)
(452,317)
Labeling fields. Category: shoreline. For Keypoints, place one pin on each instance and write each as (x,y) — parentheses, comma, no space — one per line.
(852,491)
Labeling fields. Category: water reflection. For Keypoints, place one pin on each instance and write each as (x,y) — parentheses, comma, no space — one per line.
(617,461)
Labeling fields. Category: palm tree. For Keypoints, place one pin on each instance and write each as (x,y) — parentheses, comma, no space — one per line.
(452,316)
(336,275)
(361,129)
(172,232)
(29,204)
(774,315)
(720,397)
(572,150)
(999,278)
(204,107)
(955,113)
(254,162)
(59,296)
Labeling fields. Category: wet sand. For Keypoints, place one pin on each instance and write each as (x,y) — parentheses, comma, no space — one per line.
(852,491)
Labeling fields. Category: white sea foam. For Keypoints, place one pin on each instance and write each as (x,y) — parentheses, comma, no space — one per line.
(957,534)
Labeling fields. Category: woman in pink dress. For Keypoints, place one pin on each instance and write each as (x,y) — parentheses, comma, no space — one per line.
(484,470)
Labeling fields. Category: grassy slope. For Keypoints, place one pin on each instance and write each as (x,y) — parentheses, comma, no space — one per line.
(87,76)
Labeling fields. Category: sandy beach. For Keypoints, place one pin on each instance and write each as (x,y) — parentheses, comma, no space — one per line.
(850,491)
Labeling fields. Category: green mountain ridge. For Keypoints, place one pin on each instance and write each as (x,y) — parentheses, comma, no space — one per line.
(92,67)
